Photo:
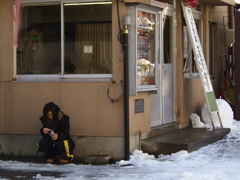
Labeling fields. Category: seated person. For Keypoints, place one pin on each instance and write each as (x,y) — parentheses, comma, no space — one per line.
(55,131)
(69,67)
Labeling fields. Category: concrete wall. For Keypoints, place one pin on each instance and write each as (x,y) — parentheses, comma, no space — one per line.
(91,112)
(6,47)
(26,145)
(6,39)
(140,121)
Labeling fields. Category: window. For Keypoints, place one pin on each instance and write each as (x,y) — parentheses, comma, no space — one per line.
(65,39)
(145,48)
(190,68)
(166,1)
(167,23)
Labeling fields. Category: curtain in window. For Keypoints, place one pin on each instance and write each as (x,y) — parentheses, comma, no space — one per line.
(93,47)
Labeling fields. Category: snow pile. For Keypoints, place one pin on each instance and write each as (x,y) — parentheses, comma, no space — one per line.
(138,158)
(178,156)
(196,121)
(225,113)
(235,131)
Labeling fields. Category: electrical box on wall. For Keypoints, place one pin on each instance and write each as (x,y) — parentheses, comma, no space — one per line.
(229,37)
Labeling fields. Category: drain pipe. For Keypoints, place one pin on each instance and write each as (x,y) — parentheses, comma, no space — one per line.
(127,22)
(230,17)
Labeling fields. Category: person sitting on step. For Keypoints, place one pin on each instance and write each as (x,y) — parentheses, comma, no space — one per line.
(55,132)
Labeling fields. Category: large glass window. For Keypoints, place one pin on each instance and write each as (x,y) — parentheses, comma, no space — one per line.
(39,46)
(80,43)
(88,37)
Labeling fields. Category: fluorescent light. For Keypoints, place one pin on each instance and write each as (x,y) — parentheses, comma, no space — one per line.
(87,3)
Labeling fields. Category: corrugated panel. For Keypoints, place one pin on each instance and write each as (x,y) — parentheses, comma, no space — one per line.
(98,36)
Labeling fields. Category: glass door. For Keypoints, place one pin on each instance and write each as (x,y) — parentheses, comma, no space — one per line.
(168,68)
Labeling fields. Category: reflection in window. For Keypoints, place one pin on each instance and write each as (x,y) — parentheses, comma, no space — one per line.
(145,48)
(39,47)
(87,40)
(190,65)
(167,38)
(166,1)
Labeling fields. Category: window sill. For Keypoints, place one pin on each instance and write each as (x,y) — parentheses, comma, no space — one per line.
(64,78)
(191,75)
(146,88)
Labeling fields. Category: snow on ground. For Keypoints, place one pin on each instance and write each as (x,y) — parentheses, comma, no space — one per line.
(225,116)
(220,160)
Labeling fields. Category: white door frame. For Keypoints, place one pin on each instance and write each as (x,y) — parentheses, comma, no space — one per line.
(157,112)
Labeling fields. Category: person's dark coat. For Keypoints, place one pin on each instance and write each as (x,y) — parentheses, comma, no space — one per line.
(61,128)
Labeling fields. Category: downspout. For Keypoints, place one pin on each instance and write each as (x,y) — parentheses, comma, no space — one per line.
(230,16)
(237,64)
(126,86)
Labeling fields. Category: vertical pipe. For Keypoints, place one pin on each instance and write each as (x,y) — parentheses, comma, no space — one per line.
(62,40)
(237,66)
(230,16)
(126,93)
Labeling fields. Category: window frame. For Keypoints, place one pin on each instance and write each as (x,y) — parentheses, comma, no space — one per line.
(211,53)
(197,14)
(132,9)
(61,76)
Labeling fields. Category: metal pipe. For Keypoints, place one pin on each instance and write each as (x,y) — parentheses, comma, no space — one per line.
(230,17)
(237,66)
(126,92)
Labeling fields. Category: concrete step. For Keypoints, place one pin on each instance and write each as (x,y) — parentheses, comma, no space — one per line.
(98,159)
(189,139)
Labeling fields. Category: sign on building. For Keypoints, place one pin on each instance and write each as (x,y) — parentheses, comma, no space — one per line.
(200,61)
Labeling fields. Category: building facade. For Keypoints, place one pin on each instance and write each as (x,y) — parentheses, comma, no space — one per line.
(84,55)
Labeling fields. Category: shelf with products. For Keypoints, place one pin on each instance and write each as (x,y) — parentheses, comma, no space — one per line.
(143,47)
(144,39)
(145,62)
